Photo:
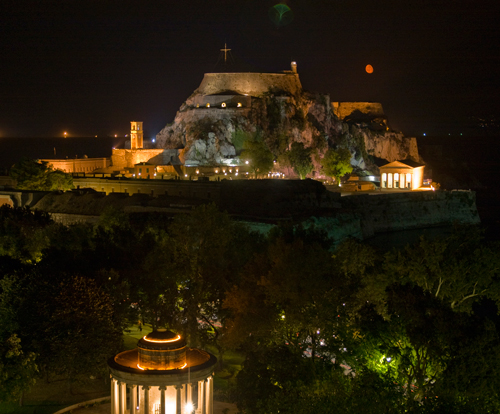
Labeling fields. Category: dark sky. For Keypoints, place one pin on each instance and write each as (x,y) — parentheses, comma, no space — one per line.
(91,67)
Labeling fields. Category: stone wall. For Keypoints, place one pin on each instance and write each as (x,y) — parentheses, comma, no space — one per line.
(253,84)
(78,164)
(127,158)
(396,212)
(344,109)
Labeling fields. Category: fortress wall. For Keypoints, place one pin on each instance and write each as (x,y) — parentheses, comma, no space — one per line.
(344,109)
(127,158)
(395,212)
(253,84)
(229,100)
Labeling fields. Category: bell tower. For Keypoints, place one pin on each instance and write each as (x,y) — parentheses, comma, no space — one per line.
(136,135)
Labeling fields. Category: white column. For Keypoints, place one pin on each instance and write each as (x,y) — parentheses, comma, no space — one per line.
(114,396)
(146,399)
(178,399)
(133,398)
(163,408)
(204,397)
(122,393)
(210,395)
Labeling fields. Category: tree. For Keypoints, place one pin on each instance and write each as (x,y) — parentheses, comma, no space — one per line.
(23,233)
(337,163)
(300,159)
(39,176)
(17,368)
(258,155)
(459,269)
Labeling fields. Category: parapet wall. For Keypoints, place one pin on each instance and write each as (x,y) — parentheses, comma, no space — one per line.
(127,158)
(344,109)
(395,212)
(253,84)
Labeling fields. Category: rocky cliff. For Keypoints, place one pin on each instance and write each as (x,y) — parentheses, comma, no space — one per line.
(229,108)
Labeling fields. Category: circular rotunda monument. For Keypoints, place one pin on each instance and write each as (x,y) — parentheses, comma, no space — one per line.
(162,376)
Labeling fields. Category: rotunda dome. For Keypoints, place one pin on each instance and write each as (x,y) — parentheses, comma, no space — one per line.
(162,350)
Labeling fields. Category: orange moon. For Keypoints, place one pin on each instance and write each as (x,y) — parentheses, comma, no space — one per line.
(369,69)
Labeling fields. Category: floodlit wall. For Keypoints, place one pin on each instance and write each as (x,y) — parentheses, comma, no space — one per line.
(252,84)
(344,109)
(79,164)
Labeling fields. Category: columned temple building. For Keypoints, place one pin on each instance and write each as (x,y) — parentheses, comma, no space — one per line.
(162,376)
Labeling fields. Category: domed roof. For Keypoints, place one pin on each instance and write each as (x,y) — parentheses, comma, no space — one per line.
(161,339)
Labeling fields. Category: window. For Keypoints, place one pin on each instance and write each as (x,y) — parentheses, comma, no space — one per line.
(384,180)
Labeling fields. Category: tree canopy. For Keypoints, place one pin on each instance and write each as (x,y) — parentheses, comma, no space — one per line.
(337,163)
(39,176)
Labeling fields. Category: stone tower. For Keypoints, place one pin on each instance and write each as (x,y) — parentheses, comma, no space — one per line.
(136,135)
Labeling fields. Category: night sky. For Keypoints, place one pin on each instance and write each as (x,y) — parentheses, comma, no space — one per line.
(91,67)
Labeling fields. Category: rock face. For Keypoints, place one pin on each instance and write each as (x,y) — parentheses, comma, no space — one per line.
(229,108)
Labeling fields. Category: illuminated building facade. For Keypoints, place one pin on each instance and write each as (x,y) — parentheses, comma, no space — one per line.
(404,175)
(136,135)
(162,376)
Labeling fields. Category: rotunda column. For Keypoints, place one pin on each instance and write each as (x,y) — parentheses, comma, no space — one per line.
(204,397)
(145,388)
(132,398)
(178,399)
(122,393)
(210,396)
(114,396)
(163,408)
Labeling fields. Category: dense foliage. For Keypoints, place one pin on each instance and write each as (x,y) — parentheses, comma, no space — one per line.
(39,176)
(323,329)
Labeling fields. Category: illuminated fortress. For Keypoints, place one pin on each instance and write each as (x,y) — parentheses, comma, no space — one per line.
(162,376)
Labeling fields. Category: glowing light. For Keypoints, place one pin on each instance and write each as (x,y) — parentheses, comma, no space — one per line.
(184,366)
(197,171)
(369,69)
(185,175)
(189,407)
(162,340)
(116,135)
(223,105)
(246,162)
(208,105)
(138,366)
(239,105)
(65,134)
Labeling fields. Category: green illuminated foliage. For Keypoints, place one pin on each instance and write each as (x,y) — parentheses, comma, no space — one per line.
(17,368)
(300,159)
(258,155)
(337,163)
(38,176)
